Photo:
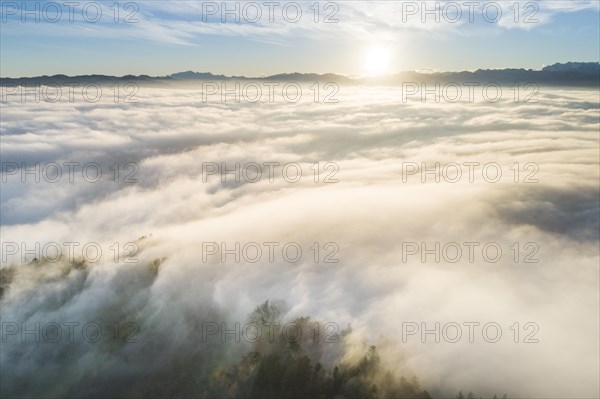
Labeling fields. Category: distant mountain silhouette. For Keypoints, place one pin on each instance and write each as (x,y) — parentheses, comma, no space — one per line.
(581,67)
(309,77)
(582,74)
(188,75)
(569,74)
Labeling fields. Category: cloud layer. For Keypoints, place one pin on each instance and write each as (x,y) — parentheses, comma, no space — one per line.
(379,204)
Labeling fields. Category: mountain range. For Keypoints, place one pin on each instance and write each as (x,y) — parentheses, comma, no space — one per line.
(582,74)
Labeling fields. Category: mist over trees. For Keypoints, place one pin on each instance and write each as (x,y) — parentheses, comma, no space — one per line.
(272,364)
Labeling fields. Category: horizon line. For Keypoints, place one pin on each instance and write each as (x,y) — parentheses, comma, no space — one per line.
(423,71)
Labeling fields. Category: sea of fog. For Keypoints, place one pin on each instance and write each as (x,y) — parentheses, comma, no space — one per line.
(459,238)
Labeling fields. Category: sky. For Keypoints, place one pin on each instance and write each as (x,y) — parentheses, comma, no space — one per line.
(351,37)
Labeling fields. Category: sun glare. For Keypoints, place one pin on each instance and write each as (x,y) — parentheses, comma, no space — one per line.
(377,61)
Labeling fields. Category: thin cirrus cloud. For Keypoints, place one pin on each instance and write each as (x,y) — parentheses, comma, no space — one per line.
(188,23)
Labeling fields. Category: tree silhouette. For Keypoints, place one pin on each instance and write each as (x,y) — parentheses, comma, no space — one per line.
(277,368)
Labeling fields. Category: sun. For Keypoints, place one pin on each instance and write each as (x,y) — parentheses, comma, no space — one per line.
(377,60)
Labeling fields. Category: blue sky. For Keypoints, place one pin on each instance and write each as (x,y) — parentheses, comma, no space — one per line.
(164,37)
